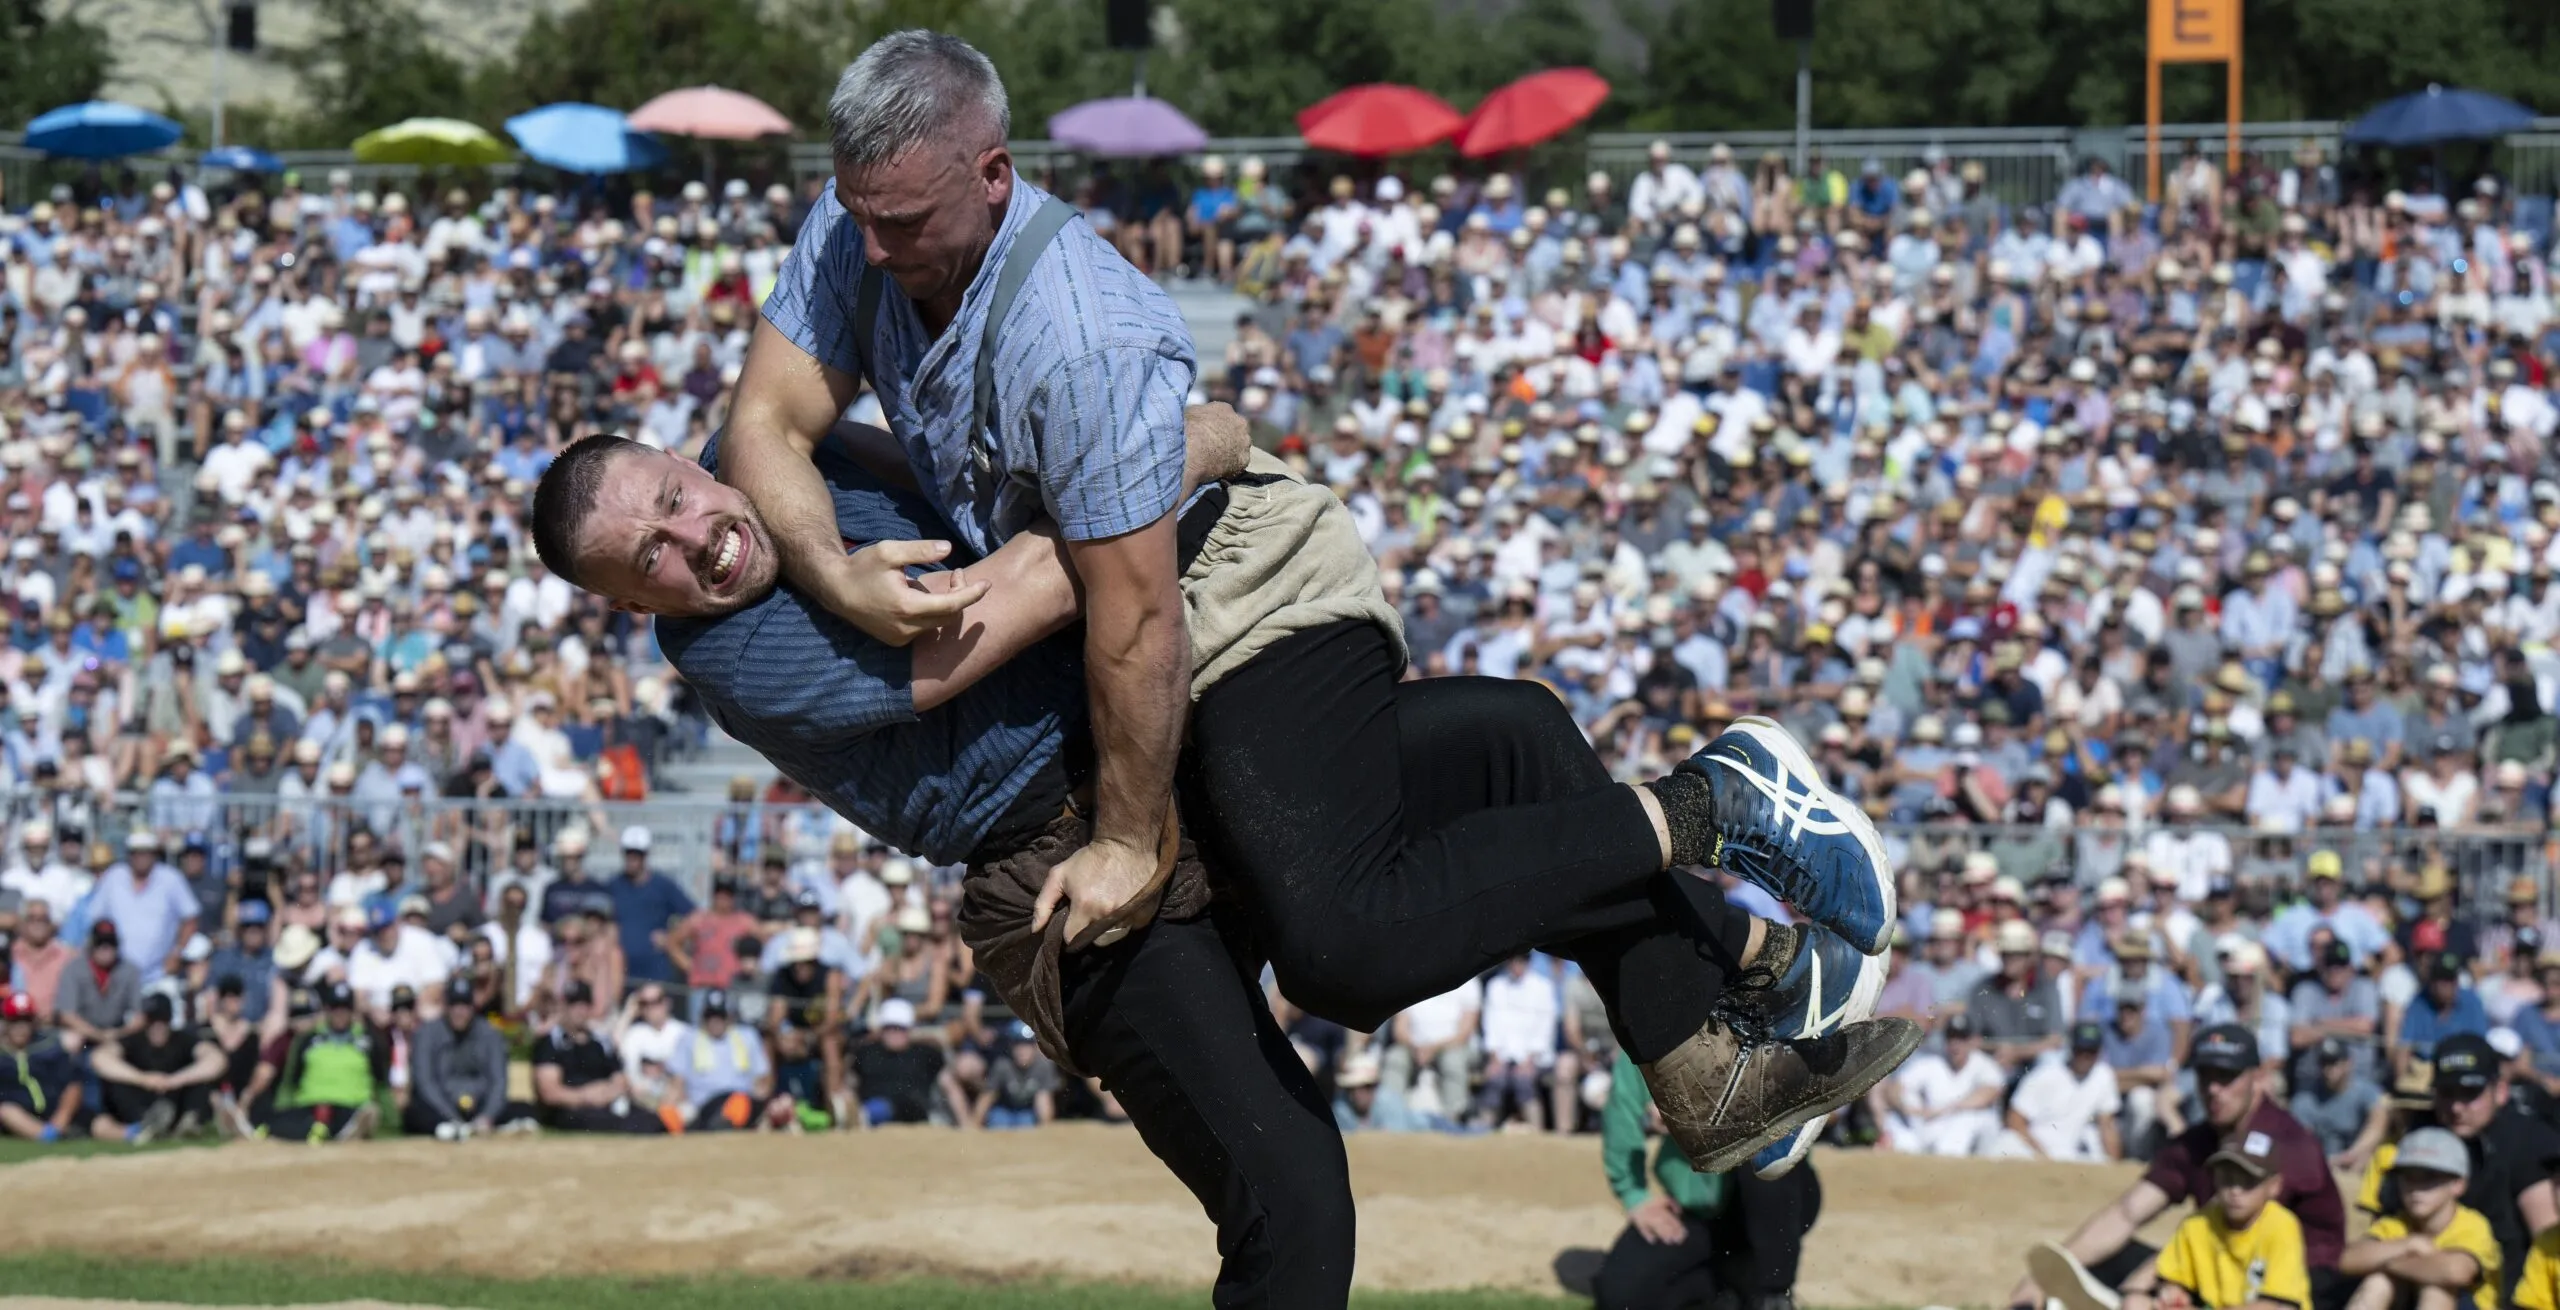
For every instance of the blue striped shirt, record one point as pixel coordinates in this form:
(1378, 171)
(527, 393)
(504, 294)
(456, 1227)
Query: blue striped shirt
(1091, 375)
(835, 710)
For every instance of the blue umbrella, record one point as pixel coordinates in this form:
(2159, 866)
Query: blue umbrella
(581, 138)
(100, 129)
(2439, 114)
(241, 159)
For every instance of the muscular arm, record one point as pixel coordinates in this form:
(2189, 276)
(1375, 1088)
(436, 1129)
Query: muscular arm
(1138, 673)
(1033, 588)
(788, 401)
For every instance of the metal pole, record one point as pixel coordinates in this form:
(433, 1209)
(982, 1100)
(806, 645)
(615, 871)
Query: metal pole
(1804, 102)
(221, 57)
(1138, 78)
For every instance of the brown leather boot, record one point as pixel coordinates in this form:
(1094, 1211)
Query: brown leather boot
(1724, 1094)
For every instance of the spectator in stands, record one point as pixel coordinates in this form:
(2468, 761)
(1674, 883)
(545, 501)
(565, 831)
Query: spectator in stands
(2243, 999)
(647, 906)
(1022, 1087)
(2231, 1085)
(40, 1091)
(155, 1078)
(1521, 1013)
(1437, 1037)
(578, 1081)
(458, 1073)
(1946, 1103)
(647, 1031)
(2142, 1052)
(2344, 1109)
(2337, 1002)
(101, 999)
(2242, 1248)
(2065, 1109)
(893, 1074)
(2513, 1155)
(38, 957)
(2445, 1008)
(727, 1078)
(151, 905)
(2016, 1011)
(1363, 1104)
(707, 943)
(2431, 1249)
(331, 1075)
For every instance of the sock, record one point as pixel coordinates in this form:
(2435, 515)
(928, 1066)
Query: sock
(1779, 947)
(1688, 805)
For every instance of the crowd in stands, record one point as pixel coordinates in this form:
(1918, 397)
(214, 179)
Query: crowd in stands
(2174, 582)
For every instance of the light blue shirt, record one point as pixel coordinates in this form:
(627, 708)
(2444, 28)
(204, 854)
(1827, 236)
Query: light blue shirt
(1091, 377)
(718, 1066)
(147, 915)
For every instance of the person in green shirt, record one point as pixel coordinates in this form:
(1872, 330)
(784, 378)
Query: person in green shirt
(332, 1075)
(1701, 1233)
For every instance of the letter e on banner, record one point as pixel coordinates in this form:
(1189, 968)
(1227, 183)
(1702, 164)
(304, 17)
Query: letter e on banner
(2195, 31)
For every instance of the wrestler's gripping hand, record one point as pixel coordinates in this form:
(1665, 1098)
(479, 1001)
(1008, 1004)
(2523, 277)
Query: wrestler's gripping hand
(871, 590)
(1108, 883)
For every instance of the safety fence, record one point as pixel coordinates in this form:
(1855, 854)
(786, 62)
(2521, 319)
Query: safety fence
(692, 838)
(2020, 164)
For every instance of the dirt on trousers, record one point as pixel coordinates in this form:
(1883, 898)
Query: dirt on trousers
(1076, 1201)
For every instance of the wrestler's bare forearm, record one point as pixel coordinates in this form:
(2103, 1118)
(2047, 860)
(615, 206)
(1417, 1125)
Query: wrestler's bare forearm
(1032, 591)
(787, 401)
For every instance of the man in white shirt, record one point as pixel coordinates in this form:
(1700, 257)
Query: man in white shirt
(398, 954)
(1946, 1104)
(2066, 1107)
(1521, 1008)
(650, 1036)
(1662, 188)
(1435, 1035)
(37, 875)
(2284, 797)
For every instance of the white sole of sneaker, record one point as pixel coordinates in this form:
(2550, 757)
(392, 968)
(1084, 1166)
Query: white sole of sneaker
(2066, 1280)
(1791, 753)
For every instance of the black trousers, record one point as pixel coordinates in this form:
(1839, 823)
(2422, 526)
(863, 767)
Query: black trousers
(600, 1119)
(1394, 839)
(127, 1103)
(1751, 1248)
(1173, 1020)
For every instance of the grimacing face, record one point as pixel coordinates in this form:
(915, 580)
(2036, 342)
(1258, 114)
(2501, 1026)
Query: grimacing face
(666, 537)
(928, 216)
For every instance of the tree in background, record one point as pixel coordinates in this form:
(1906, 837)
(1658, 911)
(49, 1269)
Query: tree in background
(370, 64)
(45, 62)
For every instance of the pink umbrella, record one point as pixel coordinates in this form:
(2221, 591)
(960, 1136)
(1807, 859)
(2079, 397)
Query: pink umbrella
(709, 111)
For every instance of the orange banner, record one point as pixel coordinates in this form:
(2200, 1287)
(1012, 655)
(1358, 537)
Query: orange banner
(2195, 31)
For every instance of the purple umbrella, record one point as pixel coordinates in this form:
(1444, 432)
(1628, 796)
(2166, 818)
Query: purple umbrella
(1126, 127)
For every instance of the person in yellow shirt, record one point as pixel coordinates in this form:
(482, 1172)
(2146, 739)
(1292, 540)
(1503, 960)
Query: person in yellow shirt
(2539, 1288)
(2434, 1252)
(2242, 1251)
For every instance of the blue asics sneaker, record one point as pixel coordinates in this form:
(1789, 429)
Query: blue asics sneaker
(1819, 983)
(1778, 827)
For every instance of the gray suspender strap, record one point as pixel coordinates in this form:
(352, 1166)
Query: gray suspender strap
(1027, 247)
(866, 319)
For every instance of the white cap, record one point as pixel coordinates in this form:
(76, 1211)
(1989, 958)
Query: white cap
(897, 1012)
(635, 838)
(436, 850)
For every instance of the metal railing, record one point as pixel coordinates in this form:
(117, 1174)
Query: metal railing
(694, 837)
(2021, 164)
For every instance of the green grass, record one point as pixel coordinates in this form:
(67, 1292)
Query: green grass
(270, 1282)
(14, 1151)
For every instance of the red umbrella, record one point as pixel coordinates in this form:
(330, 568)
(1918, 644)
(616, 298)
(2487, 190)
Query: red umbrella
(1531, 110)
(1380, 118)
